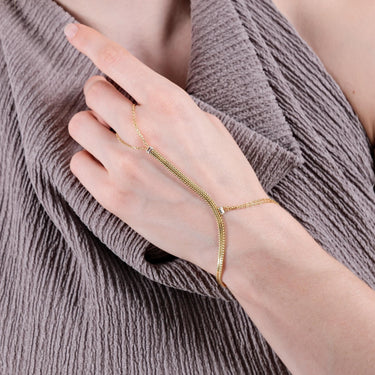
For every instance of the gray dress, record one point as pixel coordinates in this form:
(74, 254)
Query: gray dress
(80, 291)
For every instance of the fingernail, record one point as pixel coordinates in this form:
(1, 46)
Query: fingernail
(70, 30)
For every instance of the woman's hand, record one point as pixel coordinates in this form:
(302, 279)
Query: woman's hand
(135, 186)
(313, 311)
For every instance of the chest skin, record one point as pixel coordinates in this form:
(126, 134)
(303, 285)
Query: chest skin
(158, 36)
(342, 34)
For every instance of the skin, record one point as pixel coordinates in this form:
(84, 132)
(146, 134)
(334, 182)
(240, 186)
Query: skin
(332, 330)
(163, 30)
(342, 34)
(131, 182)
(163, 39)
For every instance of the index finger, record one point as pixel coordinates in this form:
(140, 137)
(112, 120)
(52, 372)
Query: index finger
(114, 60)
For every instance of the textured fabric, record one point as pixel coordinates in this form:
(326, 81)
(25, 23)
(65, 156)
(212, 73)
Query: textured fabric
(83, 293)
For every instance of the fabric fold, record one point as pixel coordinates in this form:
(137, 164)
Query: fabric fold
(81, 292)
(263, 130)
(252, 88)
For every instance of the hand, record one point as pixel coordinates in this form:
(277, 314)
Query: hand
(131, 183)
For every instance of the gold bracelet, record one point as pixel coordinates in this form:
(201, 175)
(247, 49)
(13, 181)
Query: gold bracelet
(218, 211)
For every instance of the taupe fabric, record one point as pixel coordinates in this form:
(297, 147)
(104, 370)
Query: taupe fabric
(83, 293)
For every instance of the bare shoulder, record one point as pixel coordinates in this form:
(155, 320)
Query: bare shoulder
(342, 34)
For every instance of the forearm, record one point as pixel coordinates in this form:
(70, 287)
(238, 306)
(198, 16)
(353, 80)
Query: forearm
(315, 313)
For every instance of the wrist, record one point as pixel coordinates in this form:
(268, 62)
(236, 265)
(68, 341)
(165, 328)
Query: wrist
(263, 235)
(249, 231)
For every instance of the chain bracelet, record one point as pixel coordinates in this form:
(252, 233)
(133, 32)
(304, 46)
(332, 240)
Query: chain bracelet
(218, 211)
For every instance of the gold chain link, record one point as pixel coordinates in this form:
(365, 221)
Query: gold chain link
(218, 211)
(146, 145)
(249, 204)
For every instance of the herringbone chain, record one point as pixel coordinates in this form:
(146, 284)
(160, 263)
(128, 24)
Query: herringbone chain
(218, 211)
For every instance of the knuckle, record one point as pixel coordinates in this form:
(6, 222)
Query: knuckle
(75, 161)
(92, 90)
(109, 197)
(77, 120)
(92, 81)
(171, 103)
(213, 118)
(121, 202)
(129, 165)
(122, 163)
(150, 92)
(126, 173)
(125, 196)
(122, 187)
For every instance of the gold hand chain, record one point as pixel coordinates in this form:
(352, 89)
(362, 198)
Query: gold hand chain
(218, 211)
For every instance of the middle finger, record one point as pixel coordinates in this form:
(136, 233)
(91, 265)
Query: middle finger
(113, 107)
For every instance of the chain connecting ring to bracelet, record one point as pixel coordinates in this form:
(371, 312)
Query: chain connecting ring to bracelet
(218, 211)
